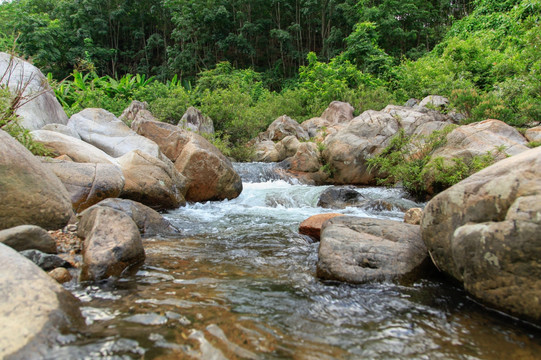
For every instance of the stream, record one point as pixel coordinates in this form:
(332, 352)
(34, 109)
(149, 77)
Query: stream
(239, 283)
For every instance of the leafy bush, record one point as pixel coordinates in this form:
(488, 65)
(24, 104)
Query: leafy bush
(407, 159)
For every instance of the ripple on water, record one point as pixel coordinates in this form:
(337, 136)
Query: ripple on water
(240, 283)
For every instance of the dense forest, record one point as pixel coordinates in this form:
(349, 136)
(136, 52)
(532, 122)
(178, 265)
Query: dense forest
(245, 62)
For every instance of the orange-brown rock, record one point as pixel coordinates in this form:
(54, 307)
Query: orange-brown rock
(210, 175)
(312, 225)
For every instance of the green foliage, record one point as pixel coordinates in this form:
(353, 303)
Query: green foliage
(534, 144)
(408, 160)
(9, 123)
(321, 83)
(489, 64)
(405, 159)
(170, 107)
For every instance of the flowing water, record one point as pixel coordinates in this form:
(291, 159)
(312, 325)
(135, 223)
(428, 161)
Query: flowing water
(239, 284)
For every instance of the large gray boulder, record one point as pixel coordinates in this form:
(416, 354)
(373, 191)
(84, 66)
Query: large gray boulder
(34, 308)
(485, 233)
(103, 130)
(31, 193)
(368, 134)
(348, 149)
(435, 101)
(148, 221)
(282, 127)
(61, 128)
(469, 141)
(26, 237)
(112, 243)
(152, 181)
(266, 151)
(306, 159)
(338, 112)
(209, 174)
(360, 250)
(87, 183)
(39, 105)
(194, 120)
(76, 149)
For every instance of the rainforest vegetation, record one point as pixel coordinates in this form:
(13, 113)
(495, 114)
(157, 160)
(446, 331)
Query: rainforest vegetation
(246, 62)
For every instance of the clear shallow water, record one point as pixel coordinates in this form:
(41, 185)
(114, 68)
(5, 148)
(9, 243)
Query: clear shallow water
(239, 284)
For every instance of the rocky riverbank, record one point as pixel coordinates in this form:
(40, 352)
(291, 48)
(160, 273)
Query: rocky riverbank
(107, 181)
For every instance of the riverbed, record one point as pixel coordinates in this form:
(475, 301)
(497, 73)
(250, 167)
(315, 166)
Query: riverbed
(239, 283)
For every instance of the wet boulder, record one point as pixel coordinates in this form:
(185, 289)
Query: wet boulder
(26, 237)
(148, 221)
(39, 105)
(31, 193)
(34, 308)
(194, 120)
(340, 197)
(152, 181)
(111, 243)
(87, 183)
(312, 226)
(209, 174)
(45, 261)
(103, 130)
(484, 232)
(77, 150)
(338, 112)
(360, 250)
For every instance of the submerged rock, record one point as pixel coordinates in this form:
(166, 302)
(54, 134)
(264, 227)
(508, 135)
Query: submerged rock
(359, 250)
(485, 233)
(34, 308)
(340, 197)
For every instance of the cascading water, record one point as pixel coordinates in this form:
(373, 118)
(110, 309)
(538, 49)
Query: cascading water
(239, 284)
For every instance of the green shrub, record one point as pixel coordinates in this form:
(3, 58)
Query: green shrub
(9, 123)
(171, 107)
